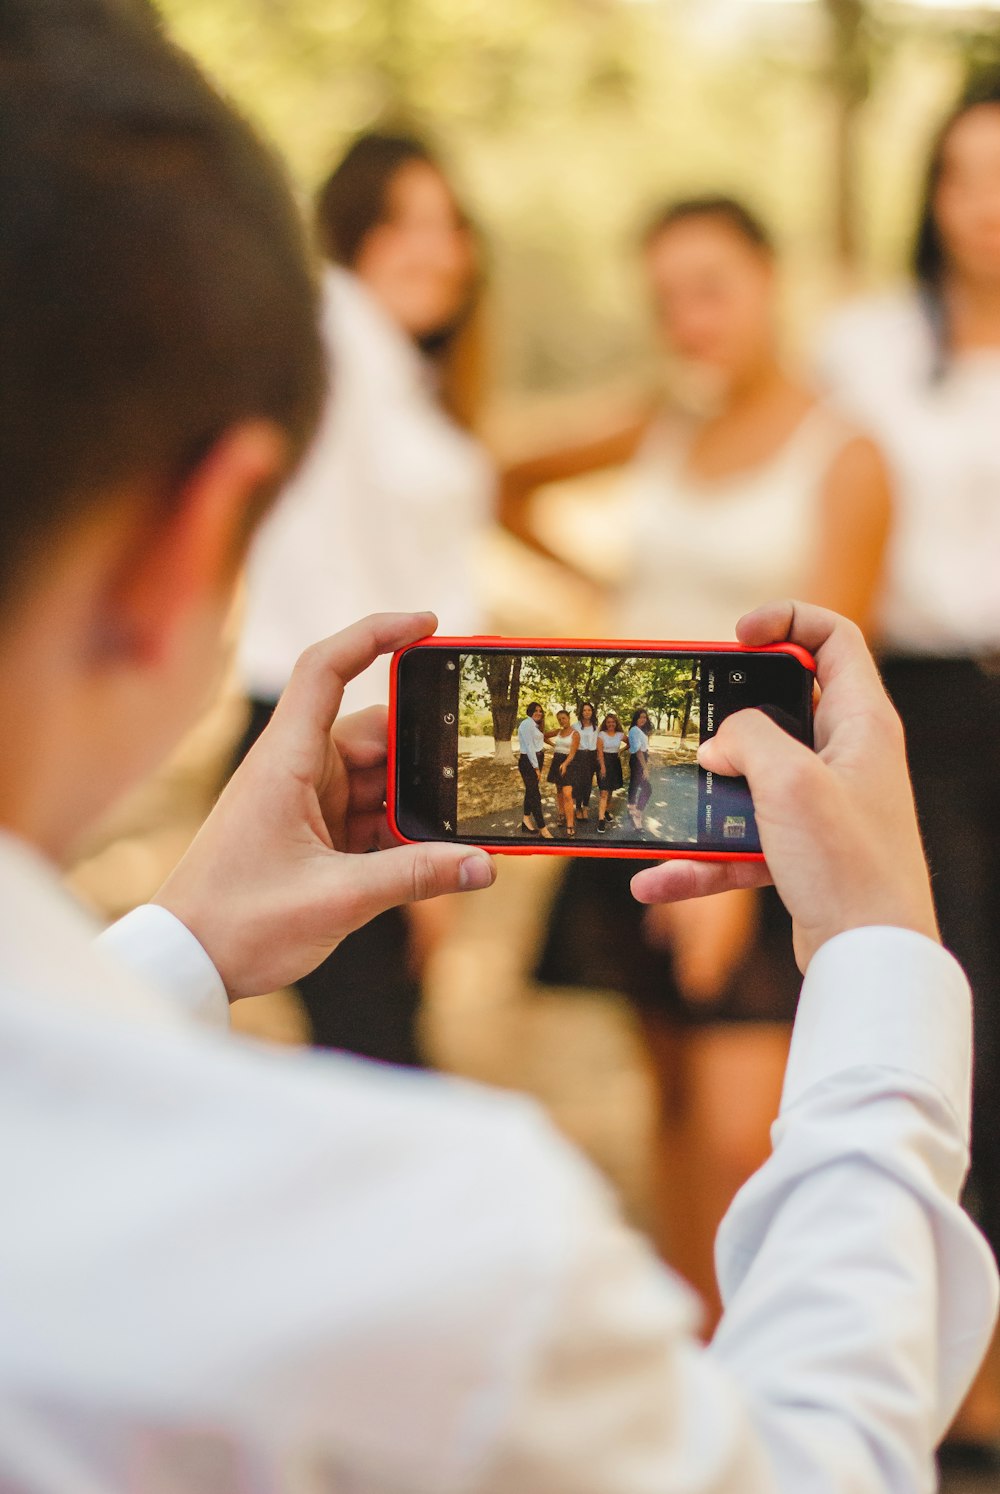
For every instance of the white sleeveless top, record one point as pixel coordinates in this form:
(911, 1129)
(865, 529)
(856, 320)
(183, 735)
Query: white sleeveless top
(611, 741)
(564, 741)
(588, 736)
(706, 550)
(940, 432)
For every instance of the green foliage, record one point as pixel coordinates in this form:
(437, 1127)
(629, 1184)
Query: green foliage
(666, 687)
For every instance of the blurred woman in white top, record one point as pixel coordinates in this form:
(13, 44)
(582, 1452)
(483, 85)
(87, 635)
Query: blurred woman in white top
(387, 508)
(748, 487)
(921, 367)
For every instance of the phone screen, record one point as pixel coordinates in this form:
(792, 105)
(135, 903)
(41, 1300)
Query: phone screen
(598, 748)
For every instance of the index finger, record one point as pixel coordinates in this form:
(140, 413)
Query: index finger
(314, 693)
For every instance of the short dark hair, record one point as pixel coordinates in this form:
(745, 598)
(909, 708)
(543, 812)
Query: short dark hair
(593, 712)
(532, 708)
(639, 711)
(155, 285)
(726, 210)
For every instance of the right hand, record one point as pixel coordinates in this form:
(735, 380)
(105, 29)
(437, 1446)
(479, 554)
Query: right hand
(837, 827)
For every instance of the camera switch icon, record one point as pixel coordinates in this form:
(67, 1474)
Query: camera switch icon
(737, 677)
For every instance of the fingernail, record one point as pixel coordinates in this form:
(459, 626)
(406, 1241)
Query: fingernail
(474, 873)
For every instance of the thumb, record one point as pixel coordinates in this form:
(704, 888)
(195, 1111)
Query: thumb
(411, 874)
(750, 745)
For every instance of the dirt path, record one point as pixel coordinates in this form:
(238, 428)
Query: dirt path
(672, 812)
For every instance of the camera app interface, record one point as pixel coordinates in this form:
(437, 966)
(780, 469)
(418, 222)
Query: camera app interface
(596, 748)
(582, 746)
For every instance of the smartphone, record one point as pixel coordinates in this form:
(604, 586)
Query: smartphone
(581, 748)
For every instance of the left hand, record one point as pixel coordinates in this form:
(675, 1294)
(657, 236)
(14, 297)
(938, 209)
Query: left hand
(278, 875)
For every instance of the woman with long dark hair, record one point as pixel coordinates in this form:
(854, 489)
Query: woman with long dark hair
(586, 758)
(390, 502)
(609, 766)
(639, 790)
(921, 367)
(531, 740)
(562, 769)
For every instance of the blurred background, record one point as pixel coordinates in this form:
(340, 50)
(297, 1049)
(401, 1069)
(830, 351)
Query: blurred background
(566, 121)
(563, 124)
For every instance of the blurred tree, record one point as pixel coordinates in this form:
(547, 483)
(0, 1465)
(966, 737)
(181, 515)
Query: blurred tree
(850, 81)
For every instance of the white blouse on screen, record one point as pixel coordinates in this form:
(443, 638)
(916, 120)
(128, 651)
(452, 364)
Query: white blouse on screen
(938, 423)
(638, 740)
(384, 515)
(588, 736)
(530, 738)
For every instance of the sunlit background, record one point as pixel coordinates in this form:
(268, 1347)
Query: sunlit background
(568, 120)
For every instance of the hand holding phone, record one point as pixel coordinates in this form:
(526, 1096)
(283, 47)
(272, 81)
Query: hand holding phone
(837, 826)
(581, 748)
(280, 872)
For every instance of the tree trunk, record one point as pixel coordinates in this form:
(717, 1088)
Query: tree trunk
(850, 77)
(686, 718)
(502, 674)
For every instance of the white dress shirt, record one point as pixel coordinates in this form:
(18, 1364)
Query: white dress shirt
(385, 514)
(530, 738)
(230, 1268)
(938, 429)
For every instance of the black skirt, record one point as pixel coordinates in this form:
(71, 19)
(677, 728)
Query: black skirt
(595, 938)
(951, 711)
(561, 780)
(613, 778)
(584, 769)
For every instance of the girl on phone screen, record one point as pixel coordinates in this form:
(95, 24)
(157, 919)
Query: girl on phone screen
(586, 758)
(639, 790)
(562, 770)
(609, 766)
(531, 740)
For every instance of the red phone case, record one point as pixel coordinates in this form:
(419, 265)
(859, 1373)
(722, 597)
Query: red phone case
(646, 852)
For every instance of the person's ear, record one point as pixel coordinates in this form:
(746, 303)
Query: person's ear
(185, 551)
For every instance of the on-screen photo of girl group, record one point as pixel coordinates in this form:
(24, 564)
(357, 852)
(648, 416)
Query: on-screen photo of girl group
(567, 746)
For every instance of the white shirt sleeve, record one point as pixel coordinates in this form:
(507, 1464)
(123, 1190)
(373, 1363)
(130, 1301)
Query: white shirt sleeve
(164, 954)
(859, 1297)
